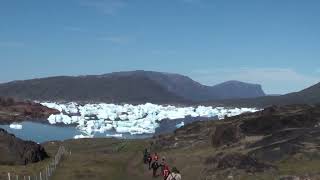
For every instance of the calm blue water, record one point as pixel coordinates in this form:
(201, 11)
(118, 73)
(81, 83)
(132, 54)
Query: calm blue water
(42, 132)
(39, 132)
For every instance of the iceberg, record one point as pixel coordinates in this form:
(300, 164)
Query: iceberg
(127, 118)
(114, 135)
(180, 125)
(15, 126)
(82, 136)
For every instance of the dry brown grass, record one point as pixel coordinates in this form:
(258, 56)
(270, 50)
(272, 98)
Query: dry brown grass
(109, 159)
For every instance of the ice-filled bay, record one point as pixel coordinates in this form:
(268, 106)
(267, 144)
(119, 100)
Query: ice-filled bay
(133, 119)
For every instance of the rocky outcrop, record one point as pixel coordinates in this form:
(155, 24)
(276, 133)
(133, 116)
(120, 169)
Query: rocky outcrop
(243, 142)
(195, 134)
(13, 111)
(274, 119)
(225, 134)
(14, 151)
(236, 160)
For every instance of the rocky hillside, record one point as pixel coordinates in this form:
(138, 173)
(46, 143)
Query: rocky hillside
(119, 89)
(127, 87)
(192, 90)
(280, 143)
(13, 111)
(14, 151)
(253, 143)
(237, 89)
(310, 95)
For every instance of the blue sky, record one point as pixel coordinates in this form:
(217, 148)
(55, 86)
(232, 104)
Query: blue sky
(275, 43)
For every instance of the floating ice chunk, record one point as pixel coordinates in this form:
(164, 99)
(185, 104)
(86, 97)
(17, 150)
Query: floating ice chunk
(75, 119)
(15, 126)
(59, 118)
(104, 128)
(133, 119)
(180, 125)
(114, 135)
(82, 136)
(52, 119)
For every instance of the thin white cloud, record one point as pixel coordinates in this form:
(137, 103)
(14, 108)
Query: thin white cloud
(190, 1)
(109, 7)
(118, 39)
(11, 44)
(74, 29)
(273, 80)
(164, 52)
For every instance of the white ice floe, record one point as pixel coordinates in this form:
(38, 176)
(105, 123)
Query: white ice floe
(180, 125)
(133, 119)
(15, 126)
(114, 135)
(82, 136)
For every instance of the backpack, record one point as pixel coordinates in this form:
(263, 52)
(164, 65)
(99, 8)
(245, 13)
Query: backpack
(155, 165)
(173, 177)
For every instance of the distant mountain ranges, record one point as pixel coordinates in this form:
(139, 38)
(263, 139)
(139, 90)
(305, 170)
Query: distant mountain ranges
(149, 86)
(127, 87)
(309, 95)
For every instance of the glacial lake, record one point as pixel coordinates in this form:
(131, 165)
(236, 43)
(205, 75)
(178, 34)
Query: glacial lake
(41, 132)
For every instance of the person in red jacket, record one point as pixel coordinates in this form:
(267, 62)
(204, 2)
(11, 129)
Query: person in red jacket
(165, 172)
(155, 157)
(164, 168)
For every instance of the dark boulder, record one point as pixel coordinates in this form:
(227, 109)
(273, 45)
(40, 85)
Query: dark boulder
(14, 151)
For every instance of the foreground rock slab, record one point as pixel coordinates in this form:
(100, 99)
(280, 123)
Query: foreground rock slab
(15, 151)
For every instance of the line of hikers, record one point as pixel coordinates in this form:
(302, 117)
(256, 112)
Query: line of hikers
(154, 165)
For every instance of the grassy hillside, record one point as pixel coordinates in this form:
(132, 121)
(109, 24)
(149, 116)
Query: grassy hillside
(270, 144)
(102, 159)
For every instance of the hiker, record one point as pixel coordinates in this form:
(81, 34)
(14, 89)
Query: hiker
(165, 171)
(149, 159)
(163, 165)
(145, 156)
(174, 175)
(155, 157)
(155, 165)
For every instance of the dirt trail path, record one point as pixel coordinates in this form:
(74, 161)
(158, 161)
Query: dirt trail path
(136, 168)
